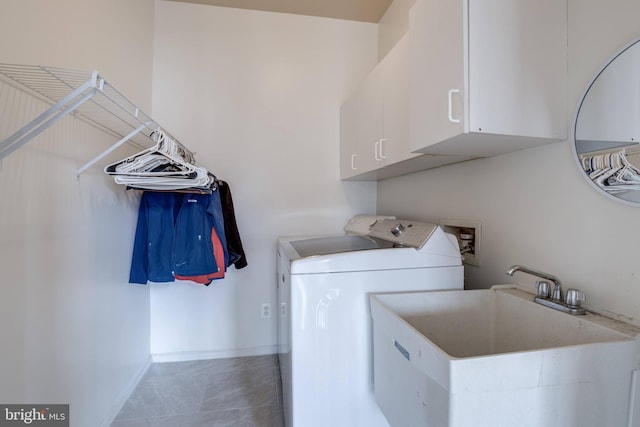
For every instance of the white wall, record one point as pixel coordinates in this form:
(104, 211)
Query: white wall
(535, 207)
(113, 36)
(257, 95)
(393, 25)
(72, 329)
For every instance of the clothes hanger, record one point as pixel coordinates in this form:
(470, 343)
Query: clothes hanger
(164, 183)
(627, 178)
(161, 167)
(613, 172)
(166, 152)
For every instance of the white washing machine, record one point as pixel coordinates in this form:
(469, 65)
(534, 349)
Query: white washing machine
(325, 326)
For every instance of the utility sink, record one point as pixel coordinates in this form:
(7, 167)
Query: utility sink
(495, 358)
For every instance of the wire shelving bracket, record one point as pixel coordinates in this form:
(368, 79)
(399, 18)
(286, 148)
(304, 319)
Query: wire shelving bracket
(85, 94)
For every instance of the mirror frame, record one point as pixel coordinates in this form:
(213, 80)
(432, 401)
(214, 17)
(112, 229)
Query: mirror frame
(574, 149)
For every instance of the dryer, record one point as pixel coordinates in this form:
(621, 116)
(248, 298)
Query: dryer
(325, 327)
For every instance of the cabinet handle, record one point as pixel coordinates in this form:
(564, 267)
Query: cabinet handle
(375, 151)
(380, 144)
(353, 162)
(451, 92)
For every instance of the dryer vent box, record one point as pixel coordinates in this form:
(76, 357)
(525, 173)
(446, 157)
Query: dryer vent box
(468, 234)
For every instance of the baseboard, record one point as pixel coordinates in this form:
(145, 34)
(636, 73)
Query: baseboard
(184, 356)
(126, 393)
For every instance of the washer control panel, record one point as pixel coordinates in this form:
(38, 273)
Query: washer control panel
(404, 233)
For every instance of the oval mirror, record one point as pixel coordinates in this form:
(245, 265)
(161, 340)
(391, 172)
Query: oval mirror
(607, 128)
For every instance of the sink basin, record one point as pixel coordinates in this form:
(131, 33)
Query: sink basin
(495, 358)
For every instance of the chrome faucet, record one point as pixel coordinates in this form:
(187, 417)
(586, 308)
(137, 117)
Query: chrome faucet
(557, 288)
(556, 301)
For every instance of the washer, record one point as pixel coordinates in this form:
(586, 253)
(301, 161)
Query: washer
(325, 327)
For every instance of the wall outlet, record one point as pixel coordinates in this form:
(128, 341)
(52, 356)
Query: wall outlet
(468, 234)
(265, 311)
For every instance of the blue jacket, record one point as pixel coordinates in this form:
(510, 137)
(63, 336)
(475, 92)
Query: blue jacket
(173, 236)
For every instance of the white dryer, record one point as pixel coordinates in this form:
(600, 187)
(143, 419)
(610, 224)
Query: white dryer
(325, 326)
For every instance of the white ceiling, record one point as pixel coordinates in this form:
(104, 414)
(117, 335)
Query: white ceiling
(356, 10)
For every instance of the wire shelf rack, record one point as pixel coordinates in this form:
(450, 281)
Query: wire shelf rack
(87, 95)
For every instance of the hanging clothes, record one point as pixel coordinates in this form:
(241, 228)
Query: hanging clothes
(218, 241)
(173, 236)
(218, 254)
(152, 257)
(237, 256)
(192, 247)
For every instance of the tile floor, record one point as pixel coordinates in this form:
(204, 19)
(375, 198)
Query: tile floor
(238, 392)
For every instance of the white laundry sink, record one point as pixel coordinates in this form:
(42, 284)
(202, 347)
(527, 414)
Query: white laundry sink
(495, 358)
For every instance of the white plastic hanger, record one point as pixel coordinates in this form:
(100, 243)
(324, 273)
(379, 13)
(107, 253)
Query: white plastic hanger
(139, 170)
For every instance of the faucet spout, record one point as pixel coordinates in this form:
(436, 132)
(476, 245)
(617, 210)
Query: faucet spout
(557, 291)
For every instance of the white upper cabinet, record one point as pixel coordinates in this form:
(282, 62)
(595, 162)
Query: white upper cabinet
(349, 161)
(361, 127)
(394, 145)
(370, 120)
(375, 124)
(487, 77)
(375, 120)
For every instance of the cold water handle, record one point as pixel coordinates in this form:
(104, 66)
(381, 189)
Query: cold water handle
(575, 298)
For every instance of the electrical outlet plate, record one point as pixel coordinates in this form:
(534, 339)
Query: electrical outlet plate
(265, 311)
(471, 255)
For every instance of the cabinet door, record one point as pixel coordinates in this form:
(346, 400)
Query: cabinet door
(361, 128)
(437, 72)
(349, 156)
(517, 67)
(370, 121)
(394, 146)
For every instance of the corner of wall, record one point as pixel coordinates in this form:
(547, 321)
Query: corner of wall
(393, 25)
